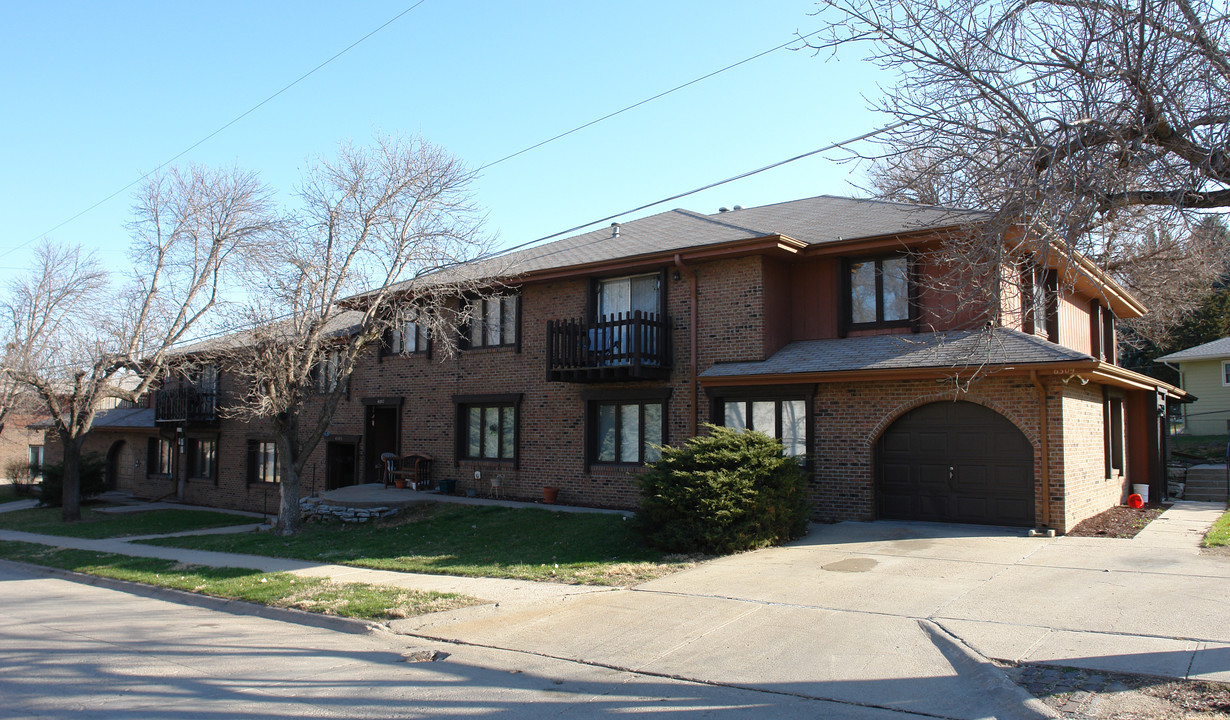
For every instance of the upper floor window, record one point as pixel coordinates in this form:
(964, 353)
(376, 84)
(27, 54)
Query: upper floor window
(1225, 373)
(493, 321)
(1040, 302)
(206, 379)
(409, 335)
(328, 371)
(621, 297)
(879, 290)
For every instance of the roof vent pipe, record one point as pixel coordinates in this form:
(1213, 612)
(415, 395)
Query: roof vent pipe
(614, 230)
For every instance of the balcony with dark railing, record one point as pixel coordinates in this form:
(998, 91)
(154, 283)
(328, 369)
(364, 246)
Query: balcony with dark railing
(624, 346)
(187, 405)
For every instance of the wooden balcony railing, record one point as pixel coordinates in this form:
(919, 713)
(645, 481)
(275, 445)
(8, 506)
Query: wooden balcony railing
(186, 405)
(626, 346)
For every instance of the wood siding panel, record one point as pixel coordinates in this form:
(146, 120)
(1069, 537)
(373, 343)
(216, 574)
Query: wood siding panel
(815, 299)
(1074, 322)
(777, 305)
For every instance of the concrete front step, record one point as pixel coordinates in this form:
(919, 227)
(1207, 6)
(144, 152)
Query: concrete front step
(1206, 483)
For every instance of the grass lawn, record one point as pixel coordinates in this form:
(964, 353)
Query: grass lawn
(356, 600)
(1219, 534)
(7, 494)
(447, 539)
(94, 524)
(1209, 447)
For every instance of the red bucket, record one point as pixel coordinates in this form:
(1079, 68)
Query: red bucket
(1135, 502)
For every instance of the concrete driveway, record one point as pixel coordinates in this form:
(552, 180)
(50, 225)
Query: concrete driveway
(900, 616)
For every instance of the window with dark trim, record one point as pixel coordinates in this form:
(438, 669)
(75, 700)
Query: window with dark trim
(488, 427)
(159, 457)
(1112, 404)
(202, 458)
(1040, 302)
(493, 321)
(782, 412)
(409, 336)
(785, 420)
(328, 371)
(36, 462)
(625, 427)
(263, 462)
(880, 291)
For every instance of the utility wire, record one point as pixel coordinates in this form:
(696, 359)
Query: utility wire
(210, 136)
(651, 99)
(493, 163)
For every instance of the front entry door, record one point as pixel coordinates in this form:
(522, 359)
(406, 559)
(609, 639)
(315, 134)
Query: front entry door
(381, 432)
(340, 461)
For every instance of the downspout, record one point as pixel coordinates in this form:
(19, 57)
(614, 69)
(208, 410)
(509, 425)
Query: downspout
(1043, 448)
(692, 335)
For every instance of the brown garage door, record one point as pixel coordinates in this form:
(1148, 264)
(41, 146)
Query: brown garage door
(955, 462)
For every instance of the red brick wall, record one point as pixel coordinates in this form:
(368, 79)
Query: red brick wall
(851, 417)
(1086, 490)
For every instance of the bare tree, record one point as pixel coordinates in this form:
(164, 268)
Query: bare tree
(76, 339)
(378, 229)
(1076, 124)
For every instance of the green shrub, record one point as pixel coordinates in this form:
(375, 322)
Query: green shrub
(93, 480)
(721, 493)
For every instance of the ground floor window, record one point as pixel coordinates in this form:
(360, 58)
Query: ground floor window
(160, 461)
(202, 458)
(785, 420)
(487, 427)
(263, 462)
(626, 429)
(777, 411)
(1114, 427)
(36, 462)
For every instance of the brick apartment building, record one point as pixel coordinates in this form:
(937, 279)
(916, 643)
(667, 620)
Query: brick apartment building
(810, 320)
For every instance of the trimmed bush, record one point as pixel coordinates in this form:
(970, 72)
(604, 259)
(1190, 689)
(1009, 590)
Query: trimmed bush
(93, 480)
(721, 493)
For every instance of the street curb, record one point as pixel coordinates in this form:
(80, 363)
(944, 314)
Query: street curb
(352, 626)
(994, 683)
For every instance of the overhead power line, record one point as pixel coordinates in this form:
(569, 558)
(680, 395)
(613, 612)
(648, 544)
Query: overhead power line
(493, 163)
(210, 136)
(662, 94)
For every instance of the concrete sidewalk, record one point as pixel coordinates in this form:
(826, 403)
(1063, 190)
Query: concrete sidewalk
(890, 615)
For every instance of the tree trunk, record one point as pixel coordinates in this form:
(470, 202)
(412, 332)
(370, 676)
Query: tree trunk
(286, 434)
(70, 497)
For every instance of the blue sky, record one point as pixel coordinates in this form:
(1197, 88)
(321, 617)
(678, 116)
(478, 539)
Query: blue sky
(97, 94)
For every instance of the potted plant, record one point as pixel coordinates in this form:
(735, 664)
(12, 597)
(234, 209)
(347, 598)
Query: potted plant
(550, 495)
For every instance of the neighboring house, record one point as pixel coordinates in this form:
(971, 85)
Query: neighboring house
(810, 320)
(1204, 371)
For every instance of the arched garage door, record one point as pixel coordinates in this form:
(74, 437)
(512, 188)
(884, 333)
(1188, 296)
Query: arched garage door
(955, 462)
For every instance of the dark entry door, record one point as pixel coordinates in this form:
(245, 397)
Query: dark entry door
(113, 465)
(955, 462)
(341, 459)
(381, 434)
